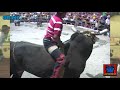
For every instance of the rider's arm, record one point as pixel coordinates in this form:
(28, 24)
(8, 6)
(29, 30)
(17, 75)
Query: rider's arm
(57, 39)
(57, 31)
(57, 34)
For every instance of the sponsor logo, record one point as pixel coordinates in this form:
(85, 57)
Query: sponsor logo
(7, 17)
(110, 69)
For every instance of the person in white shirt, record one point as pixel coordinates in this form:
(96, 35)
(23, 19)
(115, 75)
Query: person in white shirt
(96, 25)
(107, 21)
(118, 68)
(3, 34)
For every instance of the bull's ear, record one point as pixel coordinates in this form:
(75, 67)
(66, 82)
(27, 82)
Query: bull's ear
(74, 36)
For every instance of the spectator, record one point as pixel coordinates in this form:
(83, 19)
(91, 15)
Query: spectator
(96, 25)
(107, 21)
(85, 19)
(3, 34)
(108, 24)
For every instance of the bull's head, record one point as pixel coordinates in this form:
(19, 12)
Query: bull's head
(87, 34)
(79, 49)
(91, 33)
(80, 36)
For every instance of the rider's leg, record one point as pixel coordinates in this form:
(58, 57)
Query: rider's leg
(59, 63)
(58, 56)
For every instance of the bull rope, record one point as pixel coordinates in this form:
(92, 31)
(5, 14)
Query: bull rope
(14, 52)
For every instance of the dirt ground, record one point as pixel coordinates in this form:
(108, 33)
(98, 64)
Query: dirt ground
(5, 68)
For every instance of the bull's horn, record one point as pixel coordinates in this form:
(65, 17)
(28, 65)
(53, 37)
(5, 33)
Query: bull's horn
(103, 31)
(11, 76)
(100, 32)
(74, 29)
(81, 31)
(88, 29)
(92, 31)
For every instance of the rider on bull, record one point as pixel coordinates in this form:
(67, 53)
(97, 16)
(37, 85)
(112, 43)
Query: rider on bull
(52, 42)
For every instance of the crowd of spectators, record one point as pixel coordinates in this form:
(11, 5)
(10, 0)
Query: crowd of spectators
(93, 20)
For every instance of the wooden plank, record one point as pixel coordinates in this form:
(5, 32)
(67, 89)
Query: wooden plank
(5, 68)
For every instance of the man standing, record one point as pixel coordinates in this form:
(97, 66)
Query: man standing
(3, 35)
(107, 21)
(52, 42)
(39, 19)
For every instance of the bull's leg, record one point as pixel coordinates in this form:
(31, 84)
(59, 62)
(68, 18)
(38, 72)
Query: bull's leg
(14, 70)
(69, 73)
(73, 71)
(20, 73)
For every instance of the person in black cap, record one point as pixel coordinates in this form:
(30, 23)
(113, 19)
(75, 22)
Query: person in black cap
(3, 34)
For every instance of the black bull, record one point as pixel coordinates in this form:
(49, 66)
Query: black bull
(34, 59)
